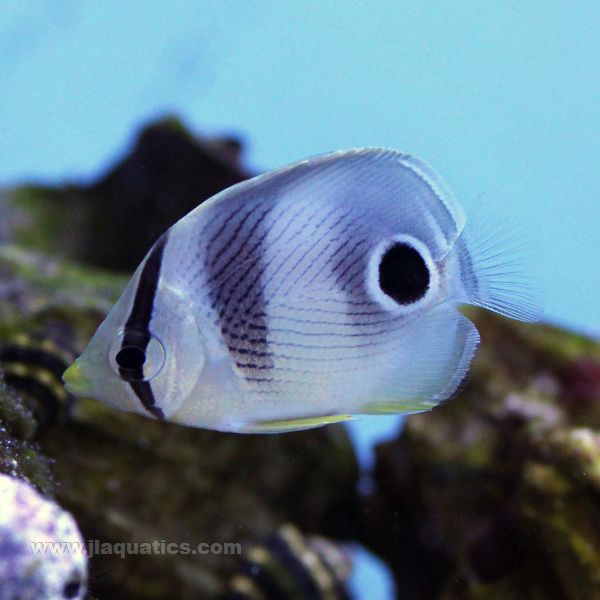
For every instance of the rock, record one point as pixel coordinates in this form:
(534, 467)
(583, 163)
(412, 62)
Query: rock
(494, 495)
(19, 456)
(290, 565)
(168, 173)
(131, 479)
(42, 553)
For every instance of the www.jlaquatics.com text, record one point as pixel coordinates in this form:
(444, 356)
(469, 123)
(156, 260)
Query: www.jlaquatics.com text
(123, 549)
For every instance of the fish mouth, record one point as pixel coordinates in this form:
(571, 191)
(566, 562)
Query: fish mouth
(75, 380)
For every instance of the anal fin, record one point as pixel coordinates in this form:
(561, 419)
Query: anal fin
(396, 408)
(286, 425)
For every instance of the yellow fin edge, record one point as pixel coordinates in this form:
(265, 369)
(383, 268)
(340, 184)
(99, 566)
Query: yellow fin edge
(396, 408)
(294, 424)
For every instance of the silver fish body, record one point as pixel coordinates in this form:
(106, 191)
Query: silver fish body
(321, 290)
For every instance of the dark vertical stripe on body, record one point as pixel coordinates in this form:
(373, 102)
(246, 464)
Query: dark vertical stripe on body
(141, 312)
(235, 292)
(137, 332)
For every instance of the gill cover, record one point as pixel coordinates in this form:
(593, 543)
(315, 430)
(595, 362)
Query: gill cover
(147, 354)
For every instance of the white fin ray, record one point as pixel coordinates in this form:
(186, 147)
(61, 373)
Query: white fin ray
(499, 273)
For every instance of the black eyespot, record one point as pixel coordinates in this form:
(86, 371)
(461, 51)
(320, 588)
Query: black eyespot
(403, 274)
(130, 358)
(71, 588)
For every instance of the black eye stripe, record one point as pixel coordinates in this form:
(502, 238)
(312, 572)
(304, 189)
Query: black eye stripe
(130, 358)
(137, 328)
(141, 311)
(144, 392)
(132, 355)
(403, 274)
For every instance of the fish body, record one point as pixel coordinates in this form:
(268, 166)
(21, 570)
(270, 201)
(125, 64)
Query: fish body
(321, 290)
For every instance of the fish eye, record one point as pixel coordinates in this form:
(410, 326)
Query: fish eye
(403, 273)
(131, 358)
(136, 356)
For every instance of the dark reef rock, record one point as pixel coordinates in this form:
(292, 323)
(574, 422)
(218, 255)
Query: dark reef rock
(497, 494)
(112, 222)
(19, 455)
(290, 565)
(127, 478)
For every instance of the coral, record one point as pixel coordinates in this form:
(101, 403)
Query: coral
(42, 554)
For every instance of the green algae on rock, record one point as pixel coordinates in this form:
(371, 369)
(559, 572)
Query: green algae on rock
(41, 298)
(19, 453)
(36, 289)
(128, 478)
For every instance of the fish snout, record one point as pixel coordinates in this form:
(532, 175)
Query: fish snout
(75, 380)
